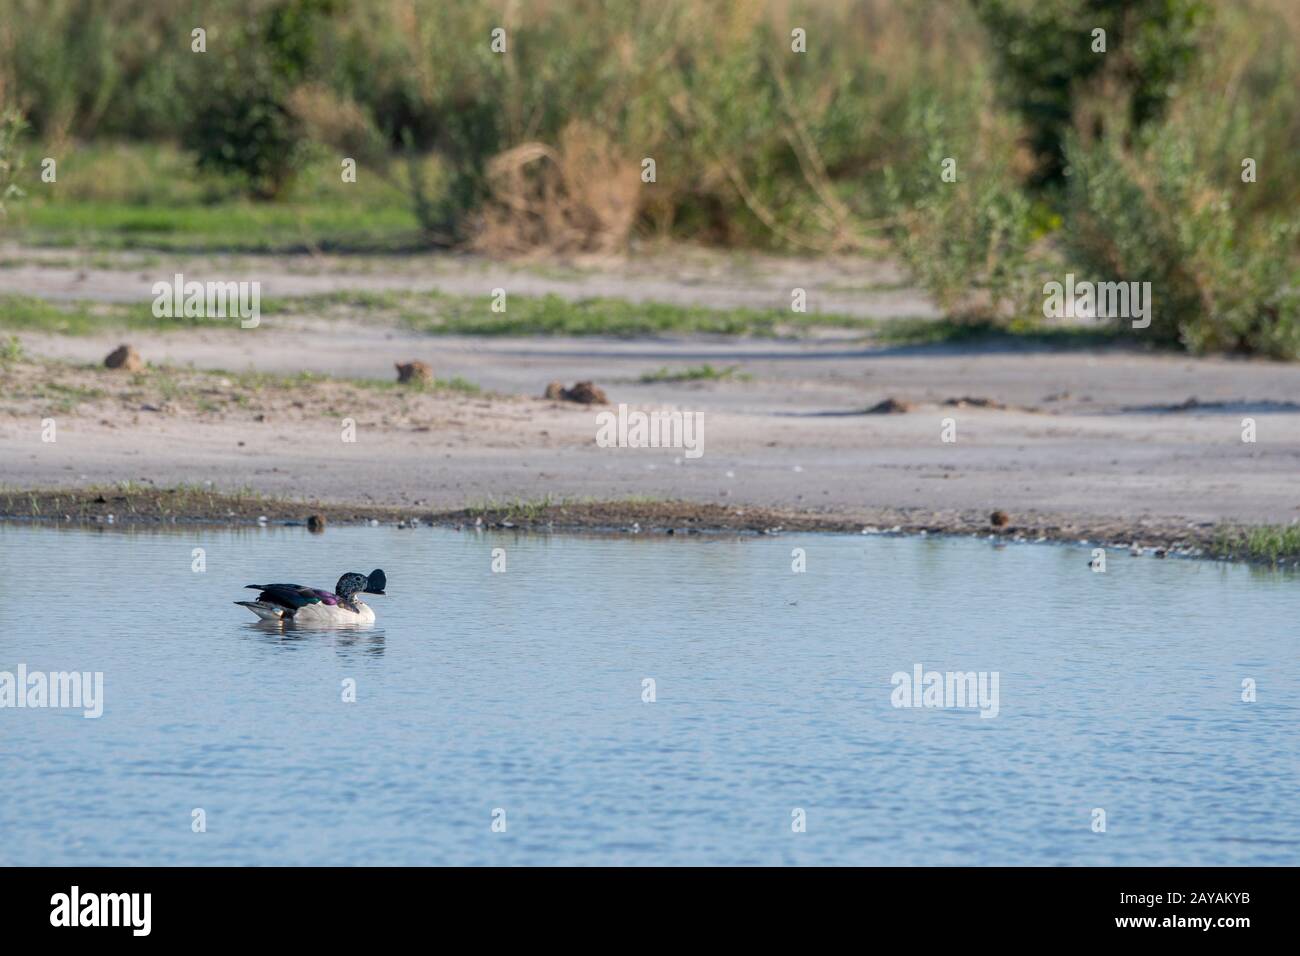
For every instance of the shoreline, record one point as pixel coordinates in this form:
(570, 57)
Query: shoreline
(180, 507)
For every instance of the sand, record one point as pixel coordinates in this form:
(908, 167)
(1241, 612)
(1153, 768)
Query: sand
(1105, 441)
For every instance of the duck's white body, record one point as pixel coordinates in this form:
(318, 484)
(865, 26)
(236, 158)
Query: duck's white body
(335, 614)
(315, 613)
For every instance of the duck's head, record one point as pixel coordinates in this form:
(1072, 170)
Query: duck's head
(352, 583)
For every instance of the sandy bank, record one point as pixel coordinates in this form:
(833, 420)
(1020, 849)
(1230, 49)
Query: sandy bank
(1116, 444)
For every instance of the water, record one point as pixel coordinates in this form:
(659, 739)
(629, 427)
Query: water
(523, 692)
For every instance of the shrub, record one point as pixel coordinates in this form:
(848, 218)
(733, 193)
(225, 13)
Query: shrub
(1244, 101)
(11, 351)
(425, 88)
(1045, 50)
(80, 68)
(967, 242)
(240, 126)
(240, 121)
(1219, 281)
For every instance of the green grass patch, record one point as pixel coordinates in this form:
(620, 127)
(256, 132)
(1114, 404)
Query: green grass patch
(1265, 544)
(236, 226)
(253, 381)
(63, 398)
(695, 373)
(517, 509)
(435, 313)
(11, 351)
(128, 500)
(207, 390)
(27, 313)
(454, 384)
(553, 315)
(338, 299)
(152, 196)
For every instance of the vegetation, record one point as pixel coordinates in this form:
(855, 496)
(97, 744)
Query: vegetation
(1054, 54)
(1204, 203)
(1266, 544)
(1219, 283)
(695, 373)
(129, 501)
(552, 315)
(11, 125)
(988, 143)
(513, 510)
(438, 314)
(151, 196)
(11, 350)
(51, 386)
(240, 121)
(21, 312)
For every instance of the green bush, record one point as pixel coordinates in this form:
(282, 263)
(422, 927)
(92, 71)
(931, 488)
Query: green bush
(240, 126)
(1045, 49)
(240, 121)
(1244, 101)
(1219, 281)
(967, 242)
(80, 68)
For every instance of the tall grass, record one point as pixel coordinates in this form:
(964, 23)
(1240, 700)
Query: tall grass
(1267, 544)
(1172, 203)
(11, 126)
(547, 146)
(753, 143)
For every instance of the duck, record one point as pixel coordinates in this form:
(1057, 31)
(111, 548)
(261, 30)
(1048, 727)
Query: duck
(304, 605)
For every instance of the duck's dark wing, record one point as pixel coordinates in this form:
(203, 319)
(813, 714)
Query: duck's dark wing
(290, 596)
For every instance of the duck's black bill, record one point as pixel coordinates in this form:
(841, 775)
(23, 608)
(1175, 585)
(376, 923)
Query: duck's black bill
(376, 583)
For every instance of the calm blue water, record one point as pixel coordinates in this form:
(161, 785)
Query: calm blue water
(522, 692)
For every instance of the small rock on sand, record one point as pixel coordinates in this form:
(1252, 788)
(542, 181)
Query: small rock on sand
(316, 524)
(890, 406)
(414, 371)
(999, 519)
(968, 401)
(124, 357)
(585, 393)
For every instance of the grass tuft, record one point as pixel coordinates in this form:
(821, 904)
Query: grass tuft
(696, 373)
(11, 351)
(1264, 544)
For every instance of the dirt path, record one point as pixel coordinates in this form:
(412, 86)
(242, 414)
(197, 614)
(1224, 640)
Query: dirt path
(1083, 438)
